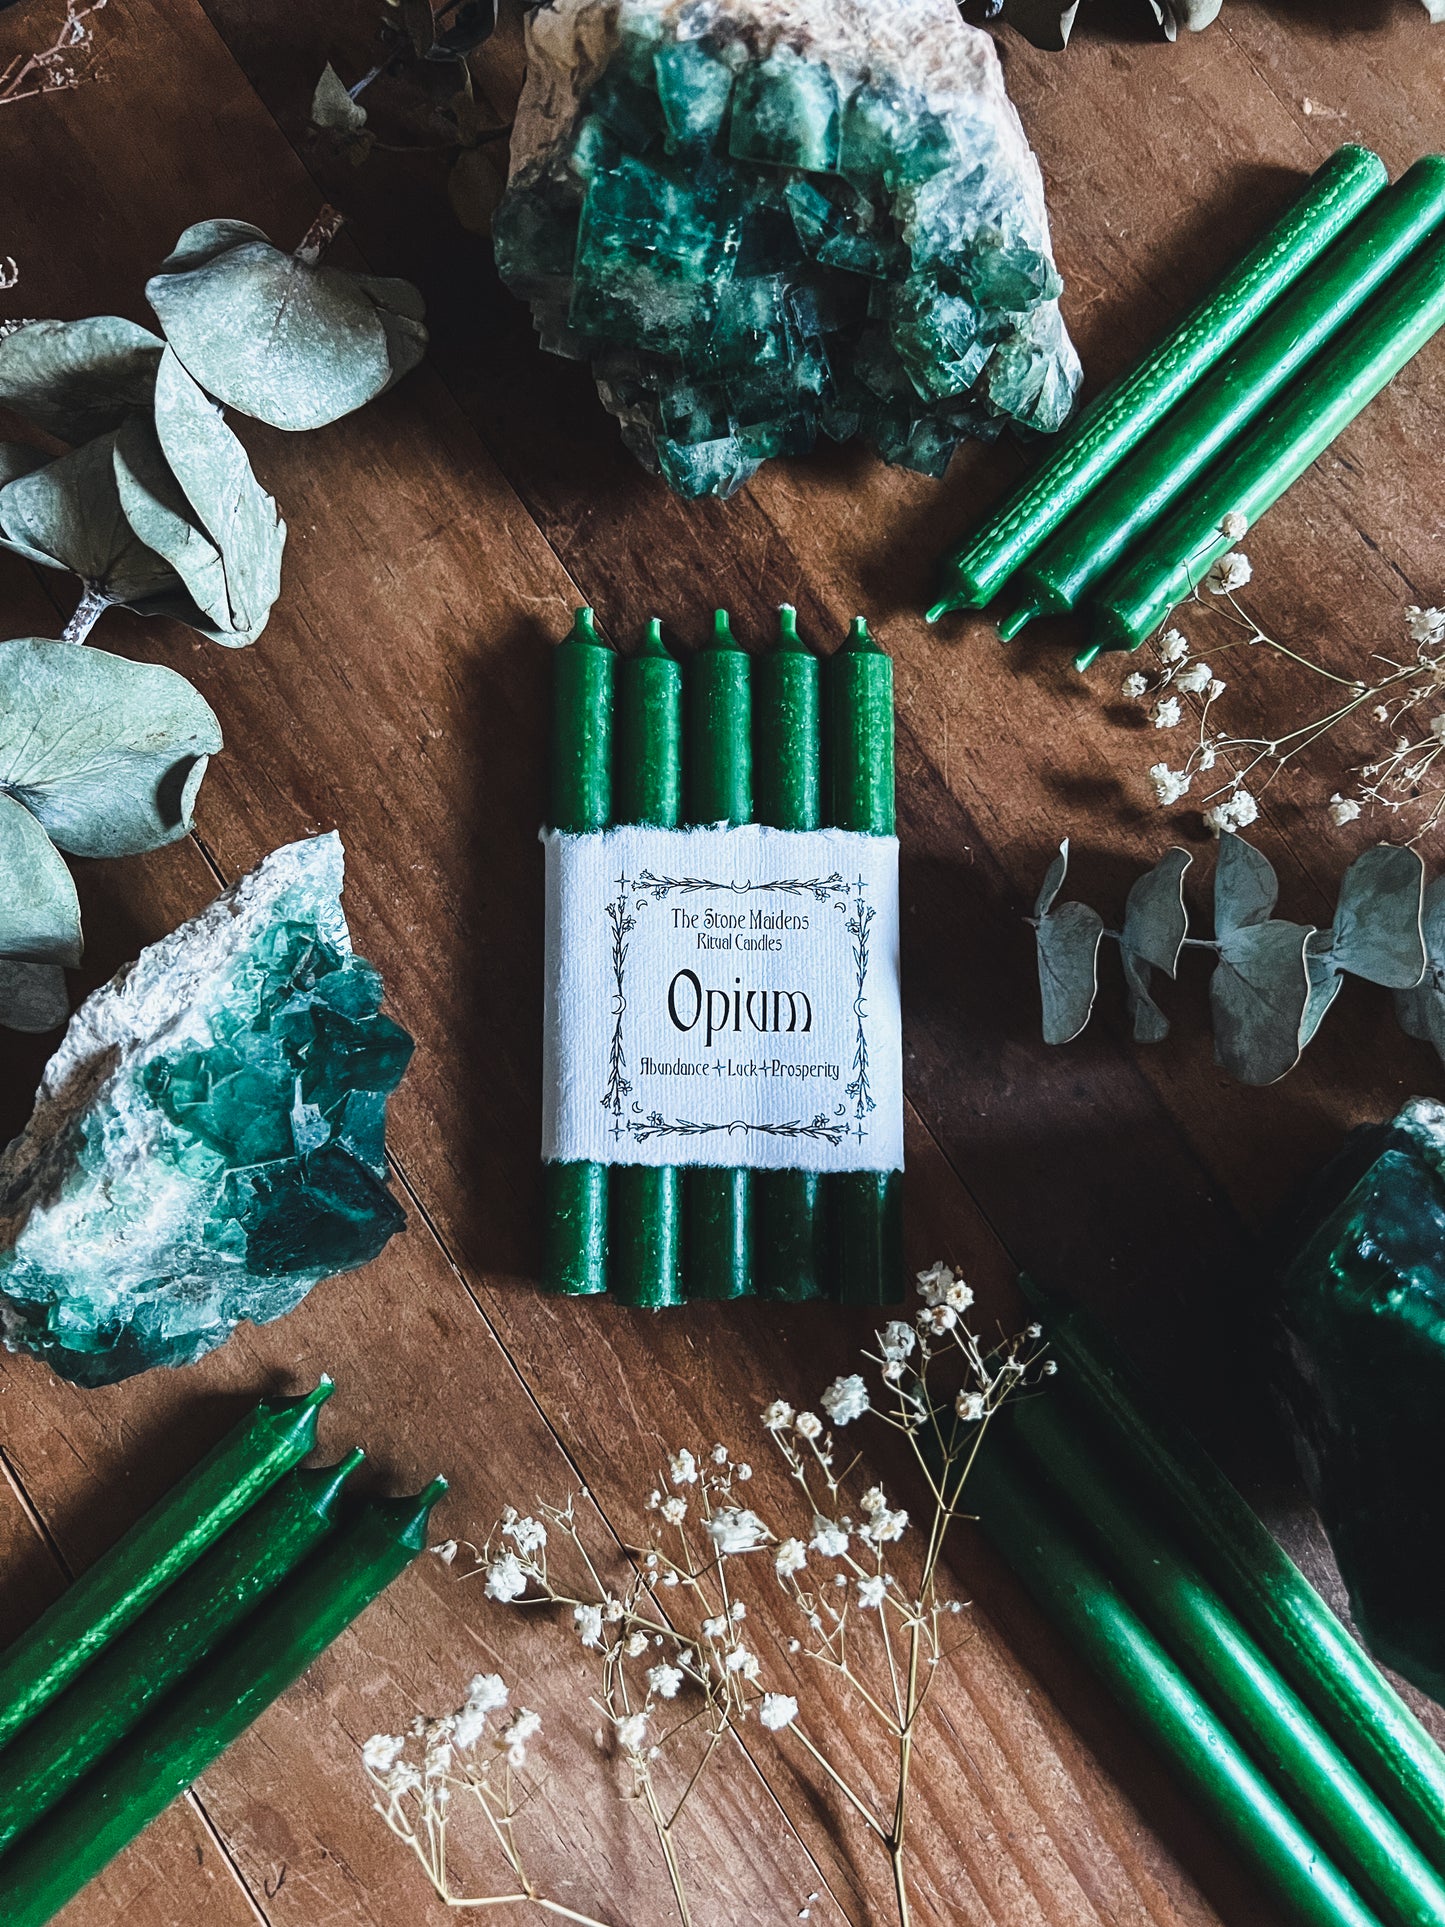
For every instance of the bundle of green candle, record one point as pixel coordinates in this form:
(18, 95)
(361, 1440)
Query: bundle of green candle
(172, 1643)
(795, 744)
(1161, 476)
(1147, 1559)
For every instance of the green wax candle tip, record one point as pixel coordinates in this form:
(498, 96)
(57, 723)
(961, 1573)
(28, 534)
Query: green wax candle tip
(722, 632)
(652, 642)
(584, 629)
(1087, 655)
(1018, 619)
(947, 604)
(788, 637)
(859, 638)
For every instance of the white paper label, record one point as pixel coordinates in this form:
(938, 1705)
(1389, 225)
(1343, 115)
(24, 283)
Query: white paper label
(723, 996)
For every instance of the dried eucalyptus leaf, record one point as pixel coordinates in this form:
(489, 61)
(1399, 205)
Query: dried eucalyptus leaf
(1053, 881)
(1151, 1026)
(332, 106)
(1421, 1010)
(1377, 933)
(67, 515)
(292, 342)
(234, 510)
(32, 996)
(403, 313)
(1258, 995)
(39, 910)
(1068, 945)
(155, 505)
(1155, 920)
(1245, 886)
(105, 755)
(77, 379)
(1044, 23)
(206, 240)
(1325, 981)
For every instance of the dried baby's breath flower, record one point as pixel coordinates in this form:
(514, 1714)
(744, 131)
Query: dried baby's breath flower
(677, 1679)
(1166, 713)
(1229, 574)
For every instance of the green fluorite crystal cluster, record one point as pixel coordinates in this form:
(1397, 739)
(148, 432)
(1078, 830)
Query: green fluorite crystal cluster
(1362, 1310)
(209, 1140)
(762, 224)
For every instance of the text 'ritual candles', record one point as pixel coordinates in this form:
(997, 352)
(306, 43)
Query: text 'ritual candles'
(722, 1019)
(113, 1593)
(1106, 431)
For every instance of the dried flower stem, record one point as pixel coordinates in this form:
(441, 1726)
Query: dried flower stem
(91, 607)
(674, 1628)
(67, 62)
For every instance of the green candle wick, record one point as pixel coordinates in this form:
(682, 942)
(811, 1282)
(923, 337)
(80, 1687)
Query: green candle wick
(860, 642)
(584, 629)
(1009, 625)
(788, 637)
(722, 632)
(308, 1401)
(947, 605)
(652, 642)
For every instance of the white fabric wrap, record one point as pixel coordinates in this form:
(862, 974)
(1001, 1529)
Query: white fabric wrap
(723, 996)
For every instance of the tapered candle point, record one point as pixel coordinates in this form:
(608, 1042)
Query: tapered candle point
(415, 1513)
(945, 606)
(317, 1397)
(859, 641)
(1086, 656)
(788, 637)
(1009, 625)
(722, 632)
(652, 642)
(584, 629)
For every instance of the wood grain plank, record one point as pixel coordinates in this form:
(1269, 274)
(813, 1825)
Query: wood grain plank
(400, 693)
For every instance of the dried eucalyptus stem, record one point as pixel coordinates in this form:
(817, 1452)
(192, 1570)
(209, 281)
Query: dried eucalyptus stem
(678, 1675)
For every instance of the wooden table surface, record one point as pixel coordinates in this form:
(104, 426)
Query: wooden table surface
(439, 541)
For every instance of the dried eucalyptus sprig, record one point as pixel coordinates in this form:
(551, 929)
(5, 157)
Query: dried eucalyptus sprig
(1273, 981)
(429, 52)
(99, 757)
(155, 507)
(679, 1673)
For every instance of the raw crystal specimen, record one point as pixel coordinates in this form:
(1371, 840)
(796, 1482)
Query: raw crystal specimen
(1362, 1307)
(763, 222)
(209, 1140)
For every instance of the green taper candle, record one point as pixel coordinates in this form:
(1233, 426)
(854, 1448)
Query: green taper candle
(720, 790)
(644, 1235)
(1215, 1652)
(1121, 417)
(865, 1208)
(1177, 555)
(574, 1250)
(113, 1592)
(1072, 1590)
(175, 1634)
(788, 795)
(1328, 1668)
(195, 1724)
(1292, 333)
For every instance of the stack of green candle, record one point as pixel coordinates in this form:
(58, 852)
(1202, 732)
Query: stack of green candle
(169, 1646)
(726, 740)
(1151, 1563)
(1227, 413)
